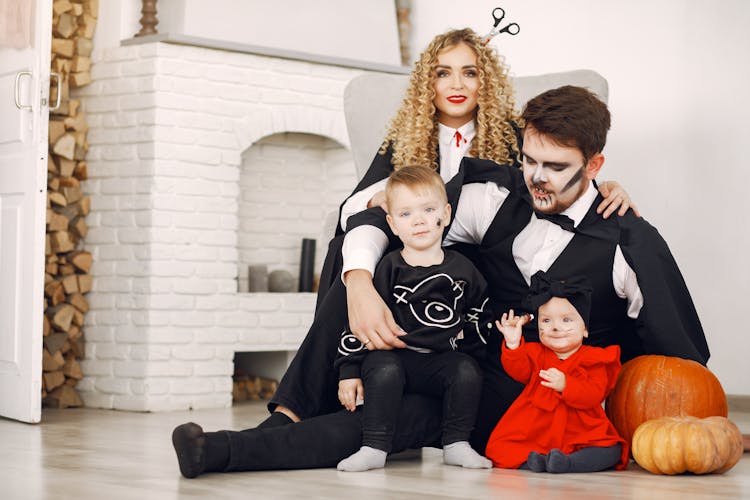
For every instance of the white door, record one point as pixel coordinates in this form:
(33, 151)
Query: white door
(24, 88)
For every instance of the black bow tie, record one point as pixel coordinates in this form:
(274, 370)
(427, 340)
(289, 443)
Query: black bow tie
(563, 221)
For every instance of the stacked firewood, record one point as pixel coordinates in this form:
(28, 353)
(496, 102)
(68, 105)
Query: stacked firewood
(252, 387)
(68, 266)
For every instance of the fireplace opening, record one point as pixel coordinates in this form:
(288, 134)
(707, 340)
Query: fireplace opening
(257, 374)
(291, 186)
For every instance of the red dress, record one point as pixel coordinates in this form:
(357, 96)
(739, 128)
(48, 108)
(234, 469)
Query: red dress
(542, 418)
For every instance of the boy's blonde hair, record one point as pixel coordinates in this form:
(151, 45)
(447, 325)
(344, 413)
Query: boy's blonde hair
(414, 178)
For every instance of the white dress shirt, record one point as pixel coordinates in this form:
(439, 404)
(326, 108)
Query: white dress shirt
(535, 248)
(450, 159)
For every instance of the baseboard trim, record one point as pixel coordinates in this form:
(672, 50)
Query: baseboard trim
(737, 402)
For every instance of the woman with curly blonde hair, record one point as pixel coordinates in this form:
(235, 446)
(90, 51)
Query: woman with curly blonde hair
(413, 133)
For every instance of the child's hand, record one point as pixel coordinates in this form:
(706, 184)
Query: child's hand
(511, 326)
(553, 378)
(351, 390)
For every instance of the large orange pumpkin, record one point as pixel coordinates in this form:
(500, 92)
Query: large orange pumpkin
(673, 445)
(653, 386)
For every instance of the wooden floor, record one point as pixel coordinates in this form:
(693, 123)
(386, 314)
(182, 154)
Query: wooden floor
(99, 454)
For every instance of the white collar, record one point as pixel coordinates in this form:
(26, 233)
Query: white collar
(578, 210)
(446, 134)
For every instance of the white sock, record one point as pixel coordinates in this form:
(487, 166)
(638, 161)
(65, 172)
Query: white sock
(461, 453)
(365, 459)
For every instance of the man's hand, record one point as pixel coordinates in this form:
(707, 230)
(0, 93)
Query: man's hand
(370, 320)
(553, 378)
(511, 326)
(351, 390)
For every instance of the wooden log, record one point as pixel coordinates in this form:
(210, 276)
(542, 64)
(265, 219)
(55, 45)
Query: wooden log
(80, 153)
(51, 166)
(50, 267)
(56, 130)
(66, 269)
(67, 24)
(47, 245)
(77, 122)
(53, 183)
(80, 79)
(55, 341)
(78, 301)
(56, 198)
(64, 396)
(71, 192)
(56, 222)
(78, 318)
(80, 139)
(67, 48)
(72, 368)
(80, 63)
(81, 171)
(74, 334)
(84, 205)
(78, 348)
(85, 282)
(87, 26)
(82, 260)
(53, 379)
(79, 227)
(83, 47)
(61, 242)
(67, 167)
(70, 284)
(91, 7)
(55, 292)
(52, 362)
(65, 146)
(61, 316)
(46, 327)
(61, 6)
(77, 9)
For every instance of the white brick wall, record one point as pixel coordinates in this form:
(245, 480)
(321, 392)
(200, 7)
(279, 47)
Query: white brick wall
(201, 162)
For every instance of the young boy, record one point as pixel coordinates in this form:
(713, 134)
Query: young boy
(439, 299)
(557, 424)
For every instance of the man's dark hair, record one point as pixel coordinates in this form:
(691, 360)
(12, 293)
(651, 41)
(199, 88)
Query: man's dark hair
(571, 116)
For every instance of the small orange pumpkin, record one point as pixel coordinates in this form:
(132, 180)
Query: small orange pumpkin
(673, 445)
(654, 386)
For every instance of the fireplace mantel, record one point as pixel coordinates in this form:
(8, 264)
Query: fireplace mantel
(179, 39)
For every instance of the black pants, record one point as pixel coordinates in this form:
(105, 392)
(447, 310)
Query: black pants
(309, 388)
(326, 440)
(452, 376)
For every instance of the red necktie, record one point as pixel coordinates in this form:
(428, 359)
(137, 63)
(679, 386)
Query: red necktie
(458, 138)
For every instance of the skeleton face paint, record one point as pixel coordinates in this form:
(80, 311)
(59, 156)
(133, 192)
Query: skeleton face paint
(555, 175)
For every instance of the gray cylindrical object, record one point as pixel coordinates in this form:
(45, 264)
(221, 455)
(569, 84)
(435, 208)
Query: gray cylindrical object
(257, 278)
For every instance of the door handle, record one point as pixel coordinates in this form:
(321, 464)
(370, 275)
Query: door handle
(58, 77)
(17, 90)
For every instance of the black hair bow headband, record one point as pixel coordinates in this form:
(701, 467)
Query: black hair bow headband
(576, 289)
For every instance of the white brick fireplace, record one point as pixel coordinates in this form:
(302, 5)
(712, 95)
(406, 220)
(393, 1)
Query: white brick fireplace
(201, 162)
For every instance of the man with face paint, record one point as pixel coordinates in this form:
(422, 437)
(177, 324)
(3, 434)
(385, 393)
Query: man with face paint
(544, 219)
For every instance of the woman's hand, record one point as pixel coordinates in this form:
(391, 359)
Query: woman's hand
(615, 197)
(370, 320)
(511, 326)
(378, 200)
(351, 390)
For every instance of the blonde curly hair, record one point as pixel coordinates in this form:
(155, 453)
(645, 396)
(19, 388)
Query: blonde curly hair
(413, 132)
